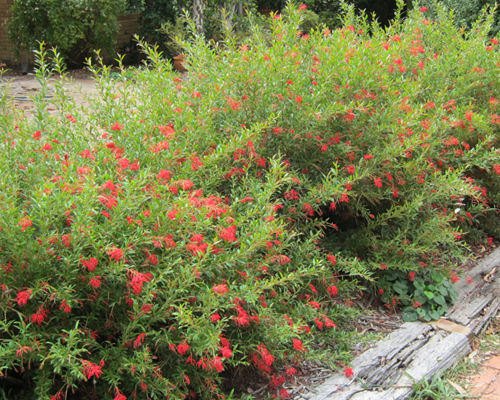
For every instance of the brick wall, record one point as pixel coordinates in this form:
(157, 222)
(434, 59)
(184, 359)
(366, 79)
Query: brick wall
(129, 25)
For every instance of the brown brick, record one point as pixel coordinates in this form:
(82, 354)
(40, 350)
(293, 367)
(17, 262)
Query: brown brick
(480, 383)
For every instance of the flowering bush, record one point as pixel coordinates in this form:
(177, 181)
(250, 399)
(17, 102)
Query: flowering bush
(75, 27)
(174, 229)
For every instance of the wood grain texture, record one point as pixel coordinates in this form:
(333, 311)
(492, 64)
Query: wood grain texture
(389, 370)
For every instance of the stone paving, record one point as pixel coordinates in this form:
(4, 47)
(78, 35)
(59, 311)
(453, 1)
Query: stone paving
(22, 88)
(486, 385)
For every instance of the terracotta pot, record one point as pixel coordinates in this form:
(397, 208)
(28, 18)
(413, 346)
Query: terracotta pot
(179, 63)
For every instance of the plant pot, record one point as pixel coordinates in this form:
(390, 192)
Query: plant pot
(179, 63)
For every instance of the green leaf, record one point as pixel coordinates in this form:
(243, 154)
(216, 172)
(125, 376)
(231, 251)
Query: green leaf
(410, 314)
(434, 315)
(443, 290)
(400, 287)
(429, 295)
(439, 299)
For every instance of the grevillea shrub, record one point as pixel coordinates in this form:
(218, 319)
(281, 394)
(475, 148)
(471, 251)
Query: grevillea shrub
(176, 228)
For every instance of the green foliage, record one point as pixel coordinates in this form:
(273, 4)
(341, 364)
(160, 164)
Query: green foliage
(310, 21)
(175, 32)
(465, 12)
(435, 388)
(176, 228)
(155, 14)
(425, 296)
(75, 27)
(327, 10)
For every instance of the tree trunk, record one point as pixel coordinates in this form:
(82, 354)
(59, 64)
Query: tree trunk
(228, 13)
(198, 15)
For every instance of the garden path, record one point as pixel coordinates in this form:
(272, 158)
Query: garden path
(23, 87)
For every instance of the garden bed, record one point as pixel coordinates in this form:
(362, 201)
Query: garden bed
(176, 231)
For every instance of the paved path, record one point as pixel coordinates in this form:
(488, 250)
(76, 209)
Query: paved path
(23, 88)
(487, 384)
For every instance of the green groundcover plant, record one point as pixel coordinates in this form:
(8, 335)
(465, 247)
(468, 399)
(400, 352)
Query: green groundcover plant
(176, 228)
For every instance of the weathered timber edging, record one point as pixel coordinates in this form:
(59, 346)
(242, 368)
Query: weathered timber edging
(418, 350)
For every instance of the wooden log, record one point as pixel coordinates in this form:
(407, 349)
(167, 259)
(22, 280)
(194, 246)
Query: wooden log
(478, 300)
(392, 367)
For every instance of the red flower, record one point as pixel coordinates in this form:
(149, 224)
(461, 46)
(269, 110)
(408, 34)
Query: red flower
(215, 317)
(229, 233)
(95, 282)
(117, 127)
(302, 7)
(423, 9)
(266, 356)
(138, 279)
(37, 135)
(220, 289)
(47, 147)
(291, 195)
(217, 364)
(348, 372)
(298, 99)
(90, 369)
(226, 352)
(314, 304)
(23, 297)
(115, 254)
(378, 182)
(332, 290)
(183, 348)
(65, 307)
(349, 117)
(39, 316)
(416, 304)
(411, 276)
(297, 345)
(25, 223)
(139, 340)
(351, 169)
(153, 259)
